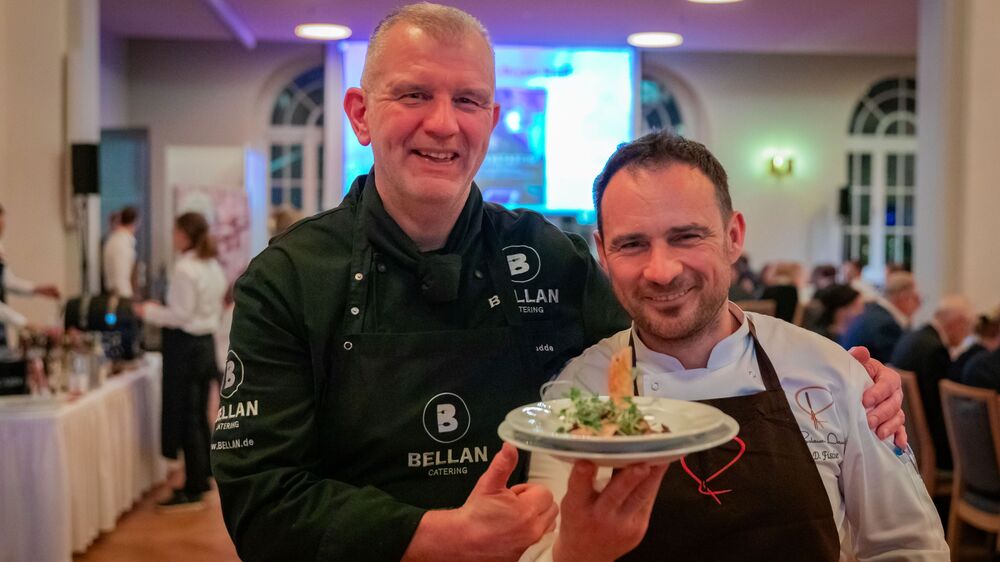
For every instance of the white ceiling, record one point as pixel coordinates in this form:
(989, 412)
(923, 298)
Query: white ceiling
(876, 27)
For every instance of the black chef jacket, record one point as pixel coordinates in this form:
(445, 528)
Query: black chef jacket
(291, 452)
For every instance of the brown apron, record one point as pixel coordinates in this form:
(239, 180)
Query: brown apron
(758, 497)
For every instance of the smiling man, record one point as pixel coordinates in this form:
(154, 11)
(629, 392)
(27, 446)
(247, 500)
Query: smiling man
(804, 478)
(376, 347)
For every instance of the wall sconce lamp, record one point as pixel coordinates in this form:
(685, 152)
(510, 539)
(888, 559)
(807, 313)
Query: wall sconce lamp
(781, 164)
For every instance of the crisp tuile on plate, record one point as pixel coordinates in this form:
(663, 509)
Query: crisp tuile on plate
(617, 415)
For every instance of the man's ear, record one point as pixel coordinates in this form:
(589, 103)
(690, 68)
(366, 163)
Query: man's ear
(600, 250)
(357, 113)
(735, 236)
(496, 115)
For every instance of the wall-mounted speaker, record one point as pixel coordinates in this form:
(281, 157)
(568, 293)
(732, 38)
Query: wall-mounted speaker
(84, 164)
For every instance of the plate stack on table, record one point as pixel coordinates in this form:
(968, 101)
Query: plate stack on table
(691, 427)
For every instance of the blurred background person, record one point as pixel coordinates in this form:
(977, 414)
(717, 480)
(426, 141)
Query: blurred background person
(119, 255)
(983, 368)
(926, 353)
(851, 274)
(189, 319)
(885, 320)
(281, 219)
(11, 283)
(782, 286)
(744, 285)
(833, 309)
(985, 338)
(823, 275)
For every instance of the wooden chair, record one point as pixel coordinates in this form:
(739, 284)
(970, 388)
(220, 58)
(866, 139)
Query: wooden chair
(972, 419)
(766, 307)
(938, 483)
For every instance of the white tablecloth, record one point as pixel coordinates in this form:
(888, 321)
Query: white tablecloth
(67, 471)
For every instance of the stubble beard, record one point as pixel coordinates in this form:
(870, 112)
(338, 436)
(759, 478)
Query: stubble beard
(675, 330)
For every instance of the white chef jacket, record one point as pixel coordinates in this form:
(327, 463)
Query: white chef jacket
(13, 285)
(880, 505)
(119, 261)
(194, 297)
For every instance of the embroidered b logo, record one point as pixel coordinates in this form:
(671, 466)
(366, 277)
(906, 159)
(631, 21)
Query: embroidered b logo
(233, 377)
(518, 264)
(523, 261)
(446, 418)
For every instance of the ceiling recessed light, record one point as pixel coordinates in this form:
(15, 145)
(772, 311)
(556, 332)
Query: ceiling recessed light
(655, 39)
(322, 31)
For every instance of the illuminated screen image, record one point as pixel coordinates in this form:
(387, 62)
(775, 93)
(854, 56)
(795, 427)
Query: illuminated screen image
(563, 111)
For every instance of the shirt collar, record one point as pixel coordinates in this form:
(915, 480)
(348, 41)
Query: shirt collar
(726, 352)
(897, 315)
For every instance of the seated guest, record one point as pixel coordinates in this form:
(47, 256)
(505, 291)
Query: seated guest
(985, 338)
(884, 320)
(823, 275)
(781, 286)
(850, 274)
(835, 307)
(983, 369)
(925, 352)
(744, 284)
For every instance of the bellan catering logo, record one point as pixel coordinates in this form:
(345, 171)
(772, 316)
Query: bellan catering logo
(524, 263)
(233, 377)
(446, 418)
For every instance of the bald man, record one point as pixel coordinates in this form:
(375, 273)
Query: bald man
(926, 352)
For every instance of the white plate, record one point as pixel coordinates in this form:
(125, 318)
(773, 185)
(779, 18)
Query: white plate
(684, 419)
(718, 436)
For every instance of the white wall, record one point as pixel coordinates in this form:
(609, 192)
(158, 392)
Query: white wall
(114, 81)
(980, 268)
(33, 44)
(204, 93)
(748, 103)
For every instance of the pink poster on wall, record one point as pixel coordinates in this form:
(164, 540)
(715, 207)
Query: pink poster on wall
(228, 213)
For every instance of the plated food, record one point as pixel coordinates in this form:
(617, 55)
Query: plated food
(617, 414)
(617, 429)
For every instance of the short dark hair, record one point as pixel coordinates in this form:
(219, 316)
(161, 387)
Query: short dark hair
(127, 215)
(658, 150)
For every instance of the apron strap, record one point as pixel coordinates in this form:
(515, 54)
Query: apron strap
(767, 372)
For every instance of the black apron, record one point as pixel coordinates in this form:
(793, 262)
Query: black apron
(758, 497)
(415, 414)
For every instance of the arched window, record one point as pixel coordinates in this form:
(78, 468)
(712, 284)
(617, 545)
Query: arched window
(881, 175)
(659, 108)
(296, 140)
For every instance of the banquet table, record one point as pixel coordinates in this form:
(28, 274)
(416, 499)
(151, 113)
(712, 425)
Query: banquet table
(69, 468)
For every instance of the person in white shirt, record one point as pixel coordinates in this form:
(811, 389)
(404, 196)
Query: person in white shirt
(190, 317)
(11, 283)
(119, 254)
(804, 479)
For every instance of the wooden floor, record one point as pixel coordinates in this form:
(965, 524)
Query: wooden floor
(145, 535)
